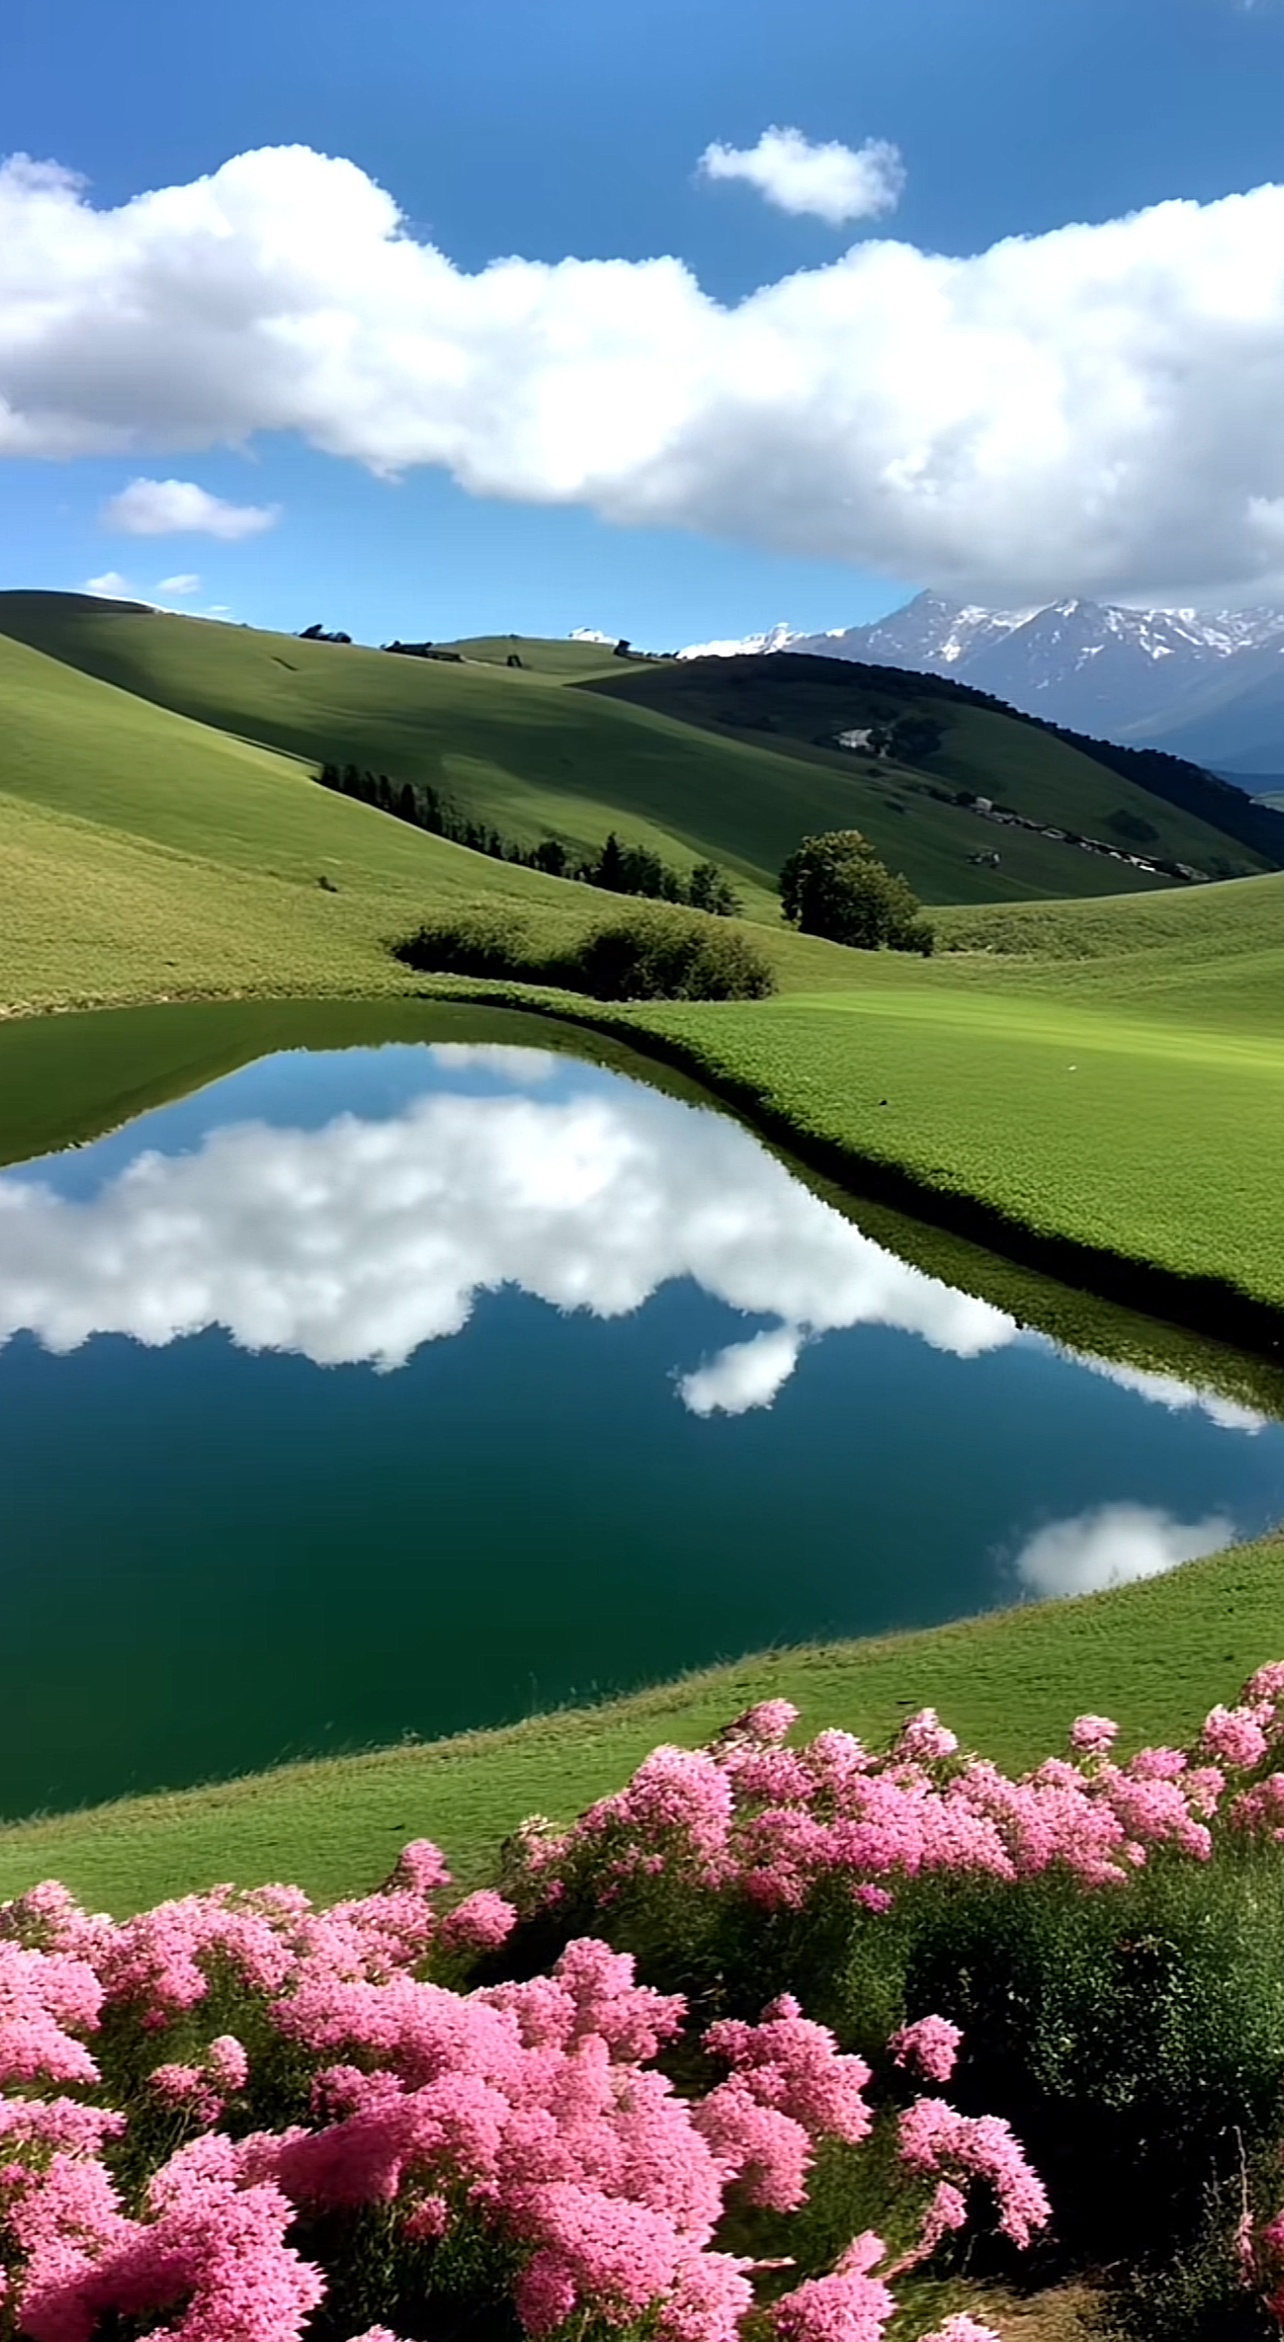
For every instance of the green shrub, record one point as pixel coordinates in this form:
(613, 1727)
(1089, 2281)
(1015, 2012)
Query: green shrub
(655, 952)
(834, 885)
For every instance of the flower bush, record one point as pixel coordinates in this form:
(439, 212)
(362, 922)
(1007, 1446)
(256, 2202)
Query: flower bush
(371, 2137)
(685, 2078)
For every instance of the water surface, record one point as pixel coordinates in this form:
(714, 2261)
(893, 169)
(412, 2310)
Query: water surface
(396, 1390)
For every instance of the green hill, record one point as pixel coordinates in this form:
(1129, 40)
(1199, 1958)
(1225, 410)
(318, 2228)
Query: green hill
(145, 851)
(516, 747)
(801, 703)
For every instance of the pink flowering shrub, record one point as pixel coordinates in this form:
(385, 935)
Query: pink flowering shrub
(521, 2131)
(238, 2118)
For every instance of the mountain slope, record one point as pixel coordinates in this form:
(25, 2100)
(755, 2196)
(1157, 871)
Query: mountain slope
(518, 748)
(1235, 723)
(802, 700)
(1098, 668)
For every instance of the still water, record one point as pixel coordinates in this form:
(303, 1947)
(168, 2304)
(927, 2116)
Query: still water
(395, 1390)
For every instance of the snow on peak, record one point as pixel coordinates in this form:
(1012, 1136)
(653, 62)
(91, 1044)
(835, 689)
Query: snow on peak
(775, 638)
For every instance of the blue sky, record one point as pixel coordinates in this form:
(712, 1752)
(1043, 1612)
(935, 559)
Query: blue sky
(549, 129)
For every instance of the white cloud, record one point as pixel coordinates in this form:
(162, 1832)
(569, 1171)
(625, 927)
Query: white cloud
(111, 585)
(745, 1375)
(186, 583)
(362, 1240)
(173, 508)
(1113, 1545)
(831, 182)
(1093, 409)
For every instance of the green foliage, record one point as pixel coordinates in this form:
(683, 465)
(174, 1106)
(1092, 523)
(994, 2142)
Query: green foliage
(618, 867)
(835, 885)
(1134, 2039)
(658, 953)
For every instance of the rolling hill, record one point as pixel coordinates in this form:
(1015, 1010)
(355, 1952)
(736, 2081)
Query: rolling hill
(517, 747)
(802, 701)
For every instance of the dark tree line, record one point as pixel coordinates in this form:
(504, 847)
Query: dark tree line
(616, 866)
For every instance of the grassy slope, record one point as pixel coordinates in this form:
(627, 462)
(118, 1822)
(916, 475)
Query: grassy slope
(1016, 764)
(532, 756)
(1155, 1655)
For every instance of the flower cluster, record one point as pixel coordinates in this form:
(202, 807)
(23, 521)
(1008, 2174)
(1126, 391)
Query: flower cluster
(750, 1818)
(528, 2119)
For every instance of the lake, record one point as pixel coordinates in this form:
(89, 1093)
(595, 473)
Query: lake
(386, 1391)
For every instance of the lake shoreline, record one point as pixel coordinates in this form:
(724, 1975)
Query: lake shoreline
(1207, 1306)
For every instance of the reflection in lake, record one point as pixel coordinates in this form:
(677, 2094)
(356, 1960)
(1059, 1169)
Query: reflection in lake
(521, 1502)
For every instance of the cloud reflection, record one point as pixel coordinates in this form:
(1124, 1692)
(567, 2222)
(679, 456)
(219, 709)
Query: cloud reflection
(1112, 1545)
(358, 1242)
(362, 1240)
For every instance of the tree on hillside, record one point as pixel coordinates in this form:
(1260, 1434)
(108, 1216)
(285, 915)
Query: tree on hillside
(708, 890)
(834, 885)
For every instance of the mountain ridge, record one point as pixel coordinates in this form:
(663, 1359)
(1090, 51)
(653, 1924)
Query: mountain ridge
(1171, 679)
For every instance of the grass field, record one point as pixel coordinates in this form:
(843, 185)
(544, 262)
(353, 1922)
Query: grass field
(1155, 1655)
(519, 749)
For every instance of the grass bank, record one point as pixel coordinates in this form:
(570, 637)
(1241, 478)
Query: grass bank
(1156, 1655)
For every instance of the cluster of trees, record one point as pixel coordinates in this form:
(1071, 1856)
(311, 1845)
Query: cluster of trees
(616, 866)
(834, 885)
(318, 633)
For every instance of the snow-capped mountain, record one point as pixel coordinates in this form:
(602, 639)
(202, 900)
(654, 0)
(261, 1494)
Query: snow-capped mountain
(776, 638)
(1096, 666)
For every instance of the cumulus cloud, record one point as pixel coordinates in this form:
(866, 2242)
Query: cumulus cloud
(111, 585)
(744, 1375)
(187, 582)
(1112, 1545)
(174, 508)
(1098, 409)
(830, 181)
(362, 1240)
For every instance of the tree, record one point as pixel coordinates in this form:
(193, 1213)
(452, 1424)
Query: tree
(834, 885)
(708, 890)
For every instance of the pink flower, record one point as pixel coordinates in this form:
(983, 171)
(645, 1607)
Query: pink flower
(421, 1867)
(794, 2065)
(962, 2328)
(1233, 1736)
(479, 1924)
(765, 2151)
(1093, 1735)
(923, 1739)
(771, 1721)
(849, 2306)
(936, 2139)
(931, 2044)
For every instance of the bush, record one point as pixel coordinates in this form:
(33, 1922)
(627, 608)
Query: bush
(834, 885)
(652, 953)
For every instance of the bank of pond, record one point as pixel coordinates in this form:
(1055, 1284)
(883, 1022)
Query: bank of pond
(446, 1369)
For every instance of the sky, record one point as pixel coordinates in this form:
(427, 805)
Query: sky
(675, 322)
